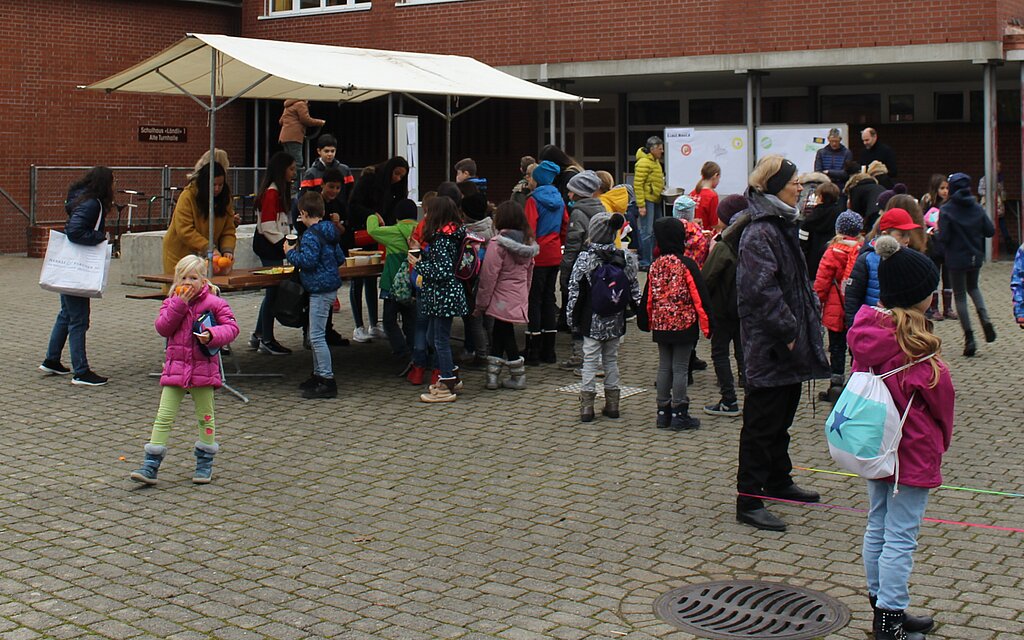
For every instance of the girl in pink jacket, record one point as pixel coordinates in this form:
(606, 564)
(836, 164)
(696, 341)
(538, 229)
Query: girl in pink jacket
(196, 323)
(883, 339)
(504, 291)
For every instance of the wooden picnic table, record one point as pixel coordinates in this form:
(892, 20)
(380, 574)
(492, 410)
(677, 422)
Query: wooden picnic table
(243, 279)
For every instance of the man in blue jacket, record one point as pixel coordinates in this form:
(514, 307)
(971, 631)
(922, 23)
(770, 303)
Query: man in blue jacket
(832, 158)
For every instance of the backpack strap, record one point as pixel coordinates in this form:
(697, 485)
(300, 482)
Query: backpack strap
(906, 366)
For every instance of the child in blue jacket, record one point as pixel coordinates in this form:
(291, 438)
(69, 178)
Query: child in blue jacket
(318, 256)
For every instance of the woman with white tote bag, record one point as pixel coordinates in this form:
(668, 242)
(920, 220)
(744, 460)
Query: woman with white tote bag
(87, 203)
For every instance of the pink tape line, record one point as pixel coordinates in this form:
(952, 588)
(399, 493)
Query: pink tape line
(858, 510)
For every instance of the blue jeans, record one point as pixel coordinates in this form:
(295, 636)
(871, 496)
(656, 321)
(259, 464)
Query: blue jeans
(70, 327)
(890, 540)
(442, 328)
(646, 232)
(265, 320)
(421, 338)
(319, 310)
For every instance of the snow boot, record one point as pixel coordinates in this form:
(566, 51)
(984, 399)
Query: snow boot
(146, 474)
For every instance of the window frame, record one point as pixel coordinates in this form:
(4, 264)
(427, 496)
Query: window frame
(350, 6)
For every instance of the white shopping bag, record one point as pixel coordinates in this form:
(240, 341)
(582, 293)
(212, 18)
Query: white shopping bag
(75, 269)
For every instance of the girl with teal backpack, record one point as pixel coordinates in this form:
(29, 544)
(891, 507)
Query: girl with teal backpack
(884, 339)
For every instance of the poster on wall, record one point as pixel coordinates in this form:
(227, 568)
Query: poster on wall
(688, 148)
(798, 143)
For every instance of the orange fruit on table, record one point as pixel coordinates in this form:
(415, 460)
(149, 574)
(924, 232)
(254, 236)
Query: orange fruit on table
(223, 261)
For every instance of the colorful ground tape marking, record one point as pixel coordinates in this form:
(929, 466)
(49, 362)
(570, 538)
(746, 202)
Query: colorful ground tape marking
(990, 492)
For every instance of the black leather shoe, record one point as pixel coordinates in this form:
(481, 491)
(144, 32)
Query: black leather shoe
(911, 624)
(761, 519)
(795, 493)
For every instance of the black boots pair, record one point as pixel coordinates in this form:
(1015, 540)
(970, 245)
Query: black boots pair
(676, 417)
(898, 625)
(317, 387)
(540, 348)
(970, 346)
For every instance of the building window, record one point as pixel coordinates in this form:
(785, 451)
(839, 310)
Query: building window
(864, 108)
(901, 108)
(708, 111)
(656, 112)
(785, 110)
(1007, 107)
(949, 106)
(280, 7)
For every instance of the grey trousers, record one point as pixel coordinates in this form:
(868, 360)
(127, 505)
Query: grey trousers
(594, 353)
(673, 369)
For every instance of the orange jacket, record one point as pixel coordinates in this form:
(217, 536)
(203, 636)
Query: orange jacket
(294, 121)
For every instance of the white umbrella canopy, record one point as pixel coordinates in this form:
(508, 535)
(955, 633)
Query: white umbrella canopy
(274, 69)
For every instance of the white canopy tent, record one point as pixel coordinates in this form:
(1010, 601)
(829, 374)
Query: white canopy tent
(230, 67)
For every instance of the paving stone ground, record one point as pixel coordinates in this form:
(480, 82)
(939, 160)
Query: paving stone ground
(498, 516)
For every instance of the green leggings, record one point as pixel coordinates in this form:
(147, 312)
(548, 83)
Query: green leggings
(170, 401)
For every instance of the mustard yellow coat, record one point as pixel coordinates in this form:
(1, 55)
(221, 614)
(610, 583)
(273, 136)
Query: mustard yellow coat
(189, 230)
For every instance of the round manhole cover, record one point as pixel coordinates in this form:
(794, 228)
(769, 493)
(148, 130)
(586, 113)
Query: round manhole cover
(751, 609)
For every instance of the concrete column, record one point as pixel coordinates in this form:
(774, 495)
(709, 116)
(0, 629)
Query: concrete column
(991, 146)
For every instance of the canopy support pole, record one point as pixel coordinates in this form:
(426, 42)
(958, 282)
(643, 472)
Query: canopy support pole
(213, 149)
(447, 137)
(551, 123)
(562, 127)
(391, 126)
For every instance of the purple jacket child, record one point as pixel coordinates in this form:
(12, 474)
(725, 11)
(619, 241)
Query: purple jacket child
(929, 426)
(505, 277)
(186, 365)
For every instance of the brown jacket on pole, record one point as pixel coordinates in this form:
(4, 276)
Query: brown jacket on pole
(294, 121)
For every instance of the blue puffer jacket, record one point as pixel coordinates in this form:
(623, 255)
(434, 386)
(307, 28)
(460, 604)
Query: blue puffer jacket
(862, 288)
(81, 225)
(317, 260)
(963, 227)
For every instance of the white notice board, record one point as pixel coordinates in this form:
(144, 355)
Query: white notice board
(688, 148)
(407, 145)
(798, 143)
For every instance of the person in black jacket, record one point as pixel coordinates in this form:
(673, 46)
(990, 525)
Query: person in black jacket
(963, 227)
(820, 226)
(780, 327)
(875, 150)
(87, 203)
(720, 277)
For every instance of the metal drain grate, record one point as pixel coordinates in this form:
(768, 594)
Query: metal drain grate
(751, 609)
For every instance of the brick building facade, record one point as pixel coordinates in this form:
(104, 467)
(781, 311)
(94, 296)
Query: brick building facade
(626, 52)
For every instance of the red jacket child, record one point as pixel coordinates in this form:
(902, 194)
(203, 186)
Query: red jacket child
(830, 283)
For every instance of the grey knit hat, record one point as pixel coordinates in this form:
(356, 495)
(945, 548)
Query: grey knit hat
(585, 183)
(603, 227)
(849, 223)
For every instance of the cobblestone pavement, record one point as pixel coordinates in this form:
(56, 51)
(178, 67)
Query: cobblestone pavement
(499, 516)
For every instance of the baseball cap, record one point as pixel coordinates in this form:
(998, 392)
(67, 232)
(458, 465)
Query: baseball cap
(897, 218)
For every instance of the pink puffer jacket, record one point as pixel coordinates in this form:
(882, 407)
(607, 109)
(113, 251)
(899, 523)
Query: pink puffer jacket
(186, 365)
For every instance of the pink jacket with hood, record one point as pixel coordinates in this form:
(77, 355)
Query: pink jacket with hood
(186, 365)
(929, 426)
(505, 277)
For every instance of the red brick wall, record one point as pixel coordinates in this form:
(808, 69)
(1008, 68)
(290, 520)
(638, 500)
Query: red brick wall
(500, 32)
(46, 49)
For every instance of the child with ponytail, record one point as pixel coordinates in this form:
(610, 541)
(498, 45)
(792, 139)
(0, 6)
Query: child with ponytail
(884, 338)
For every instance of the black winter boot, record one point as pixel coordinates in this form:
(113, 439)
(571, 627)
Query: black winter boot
(532, 352)
(664, 415)
(325, 388)
(587, 405)
(990, 331)
(888, 625)
(911, 624)
(547, 347)
(970, 348)
(681, 418)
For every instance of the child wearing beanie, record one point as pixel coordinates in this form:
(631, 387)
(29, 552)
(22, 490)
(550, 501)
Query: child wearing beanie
(882, 339)
(834, 270)
(684, 208)
(549, 220)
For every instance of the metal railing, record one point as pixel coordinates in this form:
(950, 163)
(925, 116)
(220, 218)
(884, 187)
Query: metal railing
(155, 188)
(14, 203)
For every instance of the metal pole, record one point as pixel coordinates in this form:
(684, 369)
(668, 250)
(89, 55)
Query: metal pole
(551, 123)
(255, 138)
(991, 179)
(213, 149)
(391, 126)
(751, 131)
(562, 127)
(447, 137)
(34, 177)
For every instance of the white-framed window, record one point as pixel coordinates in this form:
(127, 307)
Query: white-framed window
(282, 8)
